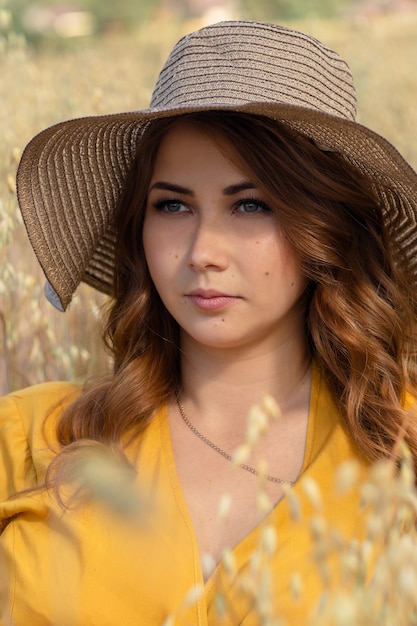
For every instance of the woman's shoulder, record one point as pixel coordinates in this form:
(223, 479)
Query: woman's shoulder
(43, 392)
(51, 389)
(32, 404)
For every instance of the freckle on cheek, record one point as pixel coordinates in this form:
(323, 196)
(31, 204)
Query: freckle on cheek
(266, 273)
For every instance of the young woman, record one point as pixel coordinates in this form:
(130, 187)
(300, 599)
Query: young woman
(258, 243)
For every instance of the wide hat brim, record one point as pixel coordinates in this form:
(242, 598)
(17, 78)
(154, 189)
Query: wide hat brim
(70, 178)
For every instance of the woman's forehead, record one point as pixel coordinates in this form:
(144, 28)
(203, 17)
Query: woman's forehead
(185, 132)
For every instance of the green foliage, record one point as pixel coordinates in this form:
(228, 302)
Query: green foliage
(275, 10)
(31, 18)
(123, 12)
(127, 14)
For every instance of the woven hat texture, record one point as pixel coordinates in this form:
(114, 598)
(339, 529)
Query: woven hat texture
(70, 175)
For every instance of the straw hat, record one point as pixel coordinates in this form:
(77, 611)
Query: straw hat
(70, 175)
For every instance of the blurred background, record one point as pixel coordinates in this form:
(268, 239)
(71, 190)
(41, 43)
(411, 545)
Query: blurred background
(55, 19)
(68, 59)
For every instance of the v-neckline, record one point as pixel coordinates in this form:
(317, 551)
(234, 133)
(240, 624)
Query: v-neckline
(250, 538)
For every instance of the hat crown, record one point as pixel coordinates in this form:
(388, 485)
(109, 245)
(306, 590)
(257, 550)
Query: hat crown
(238, 63)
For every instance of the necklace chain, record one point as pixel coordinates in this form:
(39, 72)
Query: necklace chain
(219, 450)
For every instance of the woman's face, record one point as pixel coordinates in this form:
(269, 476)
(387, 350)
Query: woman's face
(215, 251)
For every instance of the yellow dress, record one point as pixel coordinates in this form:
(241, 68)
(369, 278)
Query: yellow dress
(92, 565)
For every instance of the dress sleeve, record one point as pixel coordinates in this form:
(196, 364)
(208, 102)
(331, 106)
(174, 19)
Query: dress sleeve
(27, 445)
(17, 469)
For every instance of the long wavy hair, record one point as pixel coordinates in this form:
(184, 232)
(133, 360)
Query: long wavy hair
(360, 314)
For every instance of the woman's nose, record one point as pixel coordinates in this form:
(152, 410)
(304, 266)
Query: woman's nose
(208, 246)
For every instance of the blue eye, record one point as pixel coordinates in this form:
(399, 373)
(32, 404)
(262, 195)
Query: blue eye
(251, 206)
(170, 206)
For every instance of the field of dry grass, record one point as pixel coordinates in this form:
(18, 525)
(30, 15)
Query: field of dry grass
(36, 342)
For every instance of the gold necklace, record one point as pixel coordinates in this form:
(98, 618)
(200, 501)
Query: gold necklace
(219, 450)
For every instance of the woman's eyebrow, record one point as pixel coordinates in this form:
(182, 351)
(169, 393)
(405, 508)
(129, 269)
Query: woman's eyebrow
(227, 191)
(233, 189)
(171, 187)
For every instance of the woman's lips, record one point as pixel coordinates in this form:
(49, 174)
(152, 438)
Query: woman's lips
(210, 300)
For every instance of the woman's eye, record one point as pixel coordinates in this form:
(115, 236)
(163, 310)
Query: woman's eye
(251, 206)
(171, 206)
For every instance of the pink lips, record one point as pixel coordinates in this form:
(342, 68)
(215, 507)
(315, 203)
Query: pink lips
(210, 300)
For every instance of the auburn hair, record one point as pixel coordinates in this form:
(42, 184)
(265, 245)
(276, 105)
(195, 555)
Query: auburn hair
(360, 316)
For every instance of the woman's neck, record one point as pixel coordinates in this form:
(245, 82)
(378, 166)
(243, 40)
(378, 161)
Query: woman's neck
(217, 383)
